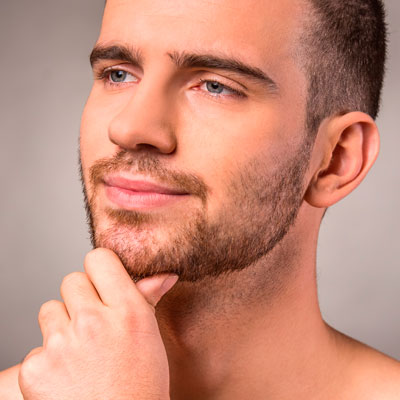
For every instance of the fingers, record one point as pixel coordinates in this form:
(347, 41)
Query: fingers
(116, 288)
(108, 275)
(78, 292)
(53, 318)
(154, 288)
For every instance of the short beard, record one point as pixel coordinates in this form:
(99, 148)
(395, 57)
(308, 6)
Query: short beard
(259, 210)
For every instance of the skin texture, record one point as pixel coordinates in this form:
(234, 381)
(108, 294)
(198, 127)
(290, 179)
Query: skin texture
(248, 206)
(257, 331)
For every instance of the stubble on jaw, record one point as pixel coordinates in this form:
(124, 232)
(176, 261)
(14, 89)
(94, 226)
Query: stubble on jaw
(259, 210)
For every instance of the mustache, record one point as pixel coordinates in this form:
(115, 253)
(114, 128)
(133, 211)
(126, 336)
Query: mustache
(151, 166)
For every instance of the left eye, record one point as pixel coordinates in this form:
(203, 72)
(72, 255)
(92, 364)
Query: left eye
(120, 76)
(216, 88)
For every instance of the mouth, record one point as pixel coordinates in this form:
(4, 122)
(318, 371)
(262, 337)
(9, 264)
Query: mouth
(133, 194)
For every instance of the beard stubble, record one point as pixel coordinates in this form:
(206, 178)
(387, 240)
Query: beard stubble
(259, 210)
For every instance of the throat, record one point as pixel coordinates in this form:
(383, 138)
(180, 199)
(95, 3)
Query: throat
(221, 332)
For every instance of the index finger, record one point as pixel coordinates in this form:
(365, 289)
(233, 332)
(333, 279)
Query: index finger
(112, 282)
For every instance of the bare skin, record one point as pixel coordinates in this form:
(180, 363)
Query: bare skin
(251, 334)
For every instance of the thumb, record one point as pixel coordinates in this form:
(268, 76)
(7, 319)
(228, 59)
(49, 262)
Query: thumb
(154, 287)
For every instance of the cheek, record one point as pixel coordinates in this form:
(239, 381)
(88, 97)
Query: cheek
(218, 144)
(217, 140)
(94, 140)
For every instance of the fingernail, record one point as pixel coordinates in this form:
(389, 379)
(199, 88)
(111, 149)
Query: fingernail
(168, 283)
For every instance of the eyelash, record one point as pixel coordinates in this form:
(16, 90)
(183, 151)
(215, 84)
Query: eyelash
(104, 75)
(236, 93)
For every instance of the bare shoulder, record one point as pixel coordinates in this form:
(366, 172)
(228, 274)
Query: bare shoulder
(374, 375)
(381, 376)
(386, 371)
(9, 389)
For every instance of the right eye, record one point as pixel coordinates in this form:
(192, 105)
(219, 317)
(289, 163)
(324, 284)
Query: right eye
(120, 76)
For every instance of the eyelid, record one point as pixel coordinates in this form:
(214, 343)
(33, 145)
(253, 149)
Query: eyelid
(234, 91)
(228, 76)
(102, 73)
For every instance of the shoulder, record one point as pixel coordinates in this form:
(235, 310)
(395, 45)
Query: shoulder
(9, 388)
(373, 375)
(382, 376)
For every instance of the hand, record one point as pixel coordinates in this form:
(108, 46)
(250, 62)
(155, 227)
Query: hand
(103, 342)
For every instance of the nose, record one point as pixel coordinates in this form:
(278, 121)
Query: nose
(145, 121)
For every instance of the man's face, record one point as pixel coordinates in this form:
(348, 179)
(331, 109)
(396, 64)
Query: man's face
(173, 104)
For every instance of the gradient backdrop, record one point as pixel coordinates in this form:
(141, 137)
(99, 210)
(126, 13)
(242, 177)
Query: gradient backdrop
(46, 78)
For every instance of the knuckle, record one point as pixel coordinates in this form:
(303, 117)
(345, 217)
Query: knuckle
(88, 323)
(137, 319)
(127, 317)
(72, 278)
(55, 342)
(27, 374)
(30, 369)
(46, 309)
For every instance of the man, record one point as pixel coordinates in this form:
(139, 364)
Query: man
(213, 141)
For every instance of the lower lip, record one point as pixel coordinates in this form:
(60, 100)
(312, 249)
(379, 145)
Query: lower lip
(130, 200)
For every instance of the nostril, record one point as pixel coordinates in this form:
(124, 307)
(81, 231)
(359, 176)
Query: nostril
(131, 131)
(146, 146)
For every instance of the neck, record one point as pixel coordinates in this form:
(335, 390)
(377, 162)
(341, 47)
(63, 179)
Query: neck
(257, 333)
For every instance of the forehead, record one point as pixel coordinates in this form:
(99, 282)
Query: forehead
(261, 31)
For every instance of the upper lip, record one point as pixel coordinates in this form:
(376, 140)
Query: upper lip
(140, 185)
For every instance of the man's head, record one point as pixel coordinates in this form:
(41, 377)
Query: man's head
(211, 100)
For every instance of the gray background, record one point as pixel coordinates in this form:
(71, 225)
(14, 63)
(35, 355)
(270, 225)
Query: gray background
(45, 79)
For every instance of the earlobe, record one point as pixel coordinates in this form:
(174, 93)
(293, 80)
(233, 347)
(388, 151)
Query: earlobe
(350, 146)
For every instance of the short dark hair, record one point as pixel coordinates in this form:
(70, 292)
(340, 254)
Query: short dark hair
(344, 46)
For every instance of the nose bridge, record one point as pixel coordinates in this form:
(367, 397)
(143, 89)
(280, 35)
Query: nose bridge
(151, 99)
(146, 118)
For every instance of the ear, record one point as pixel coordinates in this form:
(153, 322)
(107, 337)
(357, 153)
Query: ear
(350, 145)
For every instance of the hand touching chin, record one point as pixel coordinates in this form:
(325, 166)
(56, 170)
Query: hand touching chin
(103, 341)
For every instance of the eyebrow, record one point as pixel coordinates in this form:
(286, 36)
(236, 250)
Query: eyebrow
(120, 53)
(185, 60)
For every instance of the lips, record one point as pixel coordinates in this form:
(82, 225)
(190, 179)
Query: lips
(140, 186)
(129, 194)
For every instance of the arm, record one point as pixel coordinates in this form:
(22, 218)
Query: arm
(9, 388)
